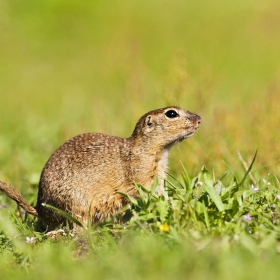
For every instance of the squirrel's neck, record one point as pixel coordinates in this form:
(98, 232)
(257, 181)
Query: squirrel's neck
(147, 162)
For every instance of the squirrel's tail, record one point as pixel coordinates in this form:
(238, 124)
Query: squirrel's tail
(13, 194)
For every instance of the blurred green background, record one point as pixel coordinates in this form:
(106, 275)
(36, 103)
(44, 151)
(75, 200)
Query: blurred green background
(69, 67)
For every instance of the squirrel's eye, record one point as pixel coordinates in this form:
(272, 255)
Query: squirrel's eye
(171, 114)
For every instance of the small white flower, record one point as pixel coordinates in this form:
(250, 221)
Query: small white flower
(30, 240)
(218, 188)
(253, 188)
(278, 196)
(199, 184)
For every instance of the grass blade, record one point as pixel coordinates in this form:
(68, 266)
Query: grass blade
(249, 169)
(64, 214)
(130, 198)
(186, 177)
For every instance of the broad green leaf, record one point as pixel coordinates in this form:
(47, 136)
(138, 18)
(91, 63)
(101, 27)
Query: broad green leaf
(162, 207)
(209, 188)
(153, 188)
(214, 196)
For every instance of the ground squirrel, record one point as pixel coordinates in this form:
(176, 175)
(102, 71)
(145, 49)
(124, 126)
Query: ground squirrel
(85, 175)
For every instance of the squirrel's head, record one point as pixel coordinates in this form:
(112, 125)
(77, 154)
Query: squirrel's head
(166, 126)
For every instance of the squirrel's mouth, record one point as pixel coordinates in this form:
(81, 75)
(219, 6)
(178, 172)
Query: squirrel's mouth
(194, 129)
(184, 136)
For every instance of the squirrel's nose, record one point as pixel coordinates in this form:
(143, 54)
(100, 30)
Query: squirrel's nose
(195, 118)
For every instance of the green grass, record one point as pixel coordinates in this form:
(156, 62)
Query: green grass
(69, 67)
(205, 229)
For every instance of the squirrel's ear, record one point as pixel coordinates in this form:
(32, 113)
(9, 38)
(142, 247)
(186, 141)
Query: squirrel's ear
(149, 124)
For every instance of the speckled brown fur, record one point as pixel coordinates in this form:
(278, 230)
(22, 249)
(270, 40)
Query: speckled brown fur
(85, 174)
